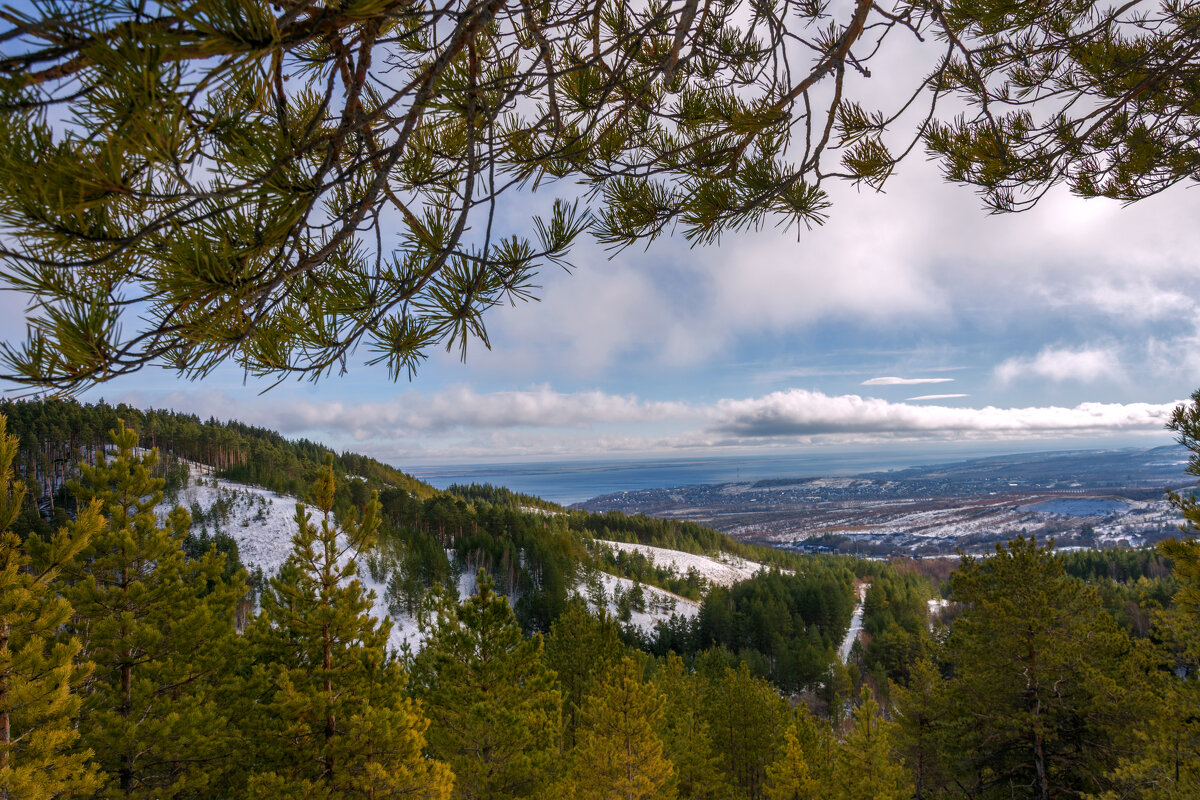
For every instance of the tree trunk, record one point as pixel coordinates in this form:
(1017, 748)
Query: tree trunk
(1033, 687)
(327, 660)
(1039, 762)
(5, 719)
(126, 771)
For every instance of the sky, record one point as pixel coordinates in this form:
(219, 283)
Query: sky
(911, 318)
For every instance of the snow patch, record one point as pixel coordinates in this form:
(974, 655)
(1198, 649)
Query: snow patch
(602, 590)
(723, 571)
(856, 625)
(263, 522)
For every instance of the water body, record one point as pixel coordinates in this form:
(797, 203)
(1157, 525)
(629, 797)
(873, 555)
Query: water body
(569, 482)
(1079, 506)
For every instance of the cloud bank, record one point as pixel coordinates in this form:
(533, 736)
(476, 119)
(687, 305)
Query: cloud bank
(904, 381)
(802, 413)
(415, 414)
(540, 421)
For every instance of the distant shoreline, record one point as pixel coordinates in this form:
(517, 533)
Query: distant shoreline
(569, 482)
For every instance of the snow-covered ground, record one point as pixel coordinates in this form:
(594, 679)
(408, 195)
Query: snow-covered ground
(909, 523)
(724, 571)
(545, 512)
(659, 605)
(263, 523)
(856, 621)
(936, 606)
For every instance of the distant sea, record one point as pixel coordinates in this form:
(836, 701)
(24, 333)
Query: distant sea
(569, 482)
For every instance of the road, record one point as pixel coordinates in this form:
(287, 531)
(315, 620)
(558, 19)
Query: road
(855, 624)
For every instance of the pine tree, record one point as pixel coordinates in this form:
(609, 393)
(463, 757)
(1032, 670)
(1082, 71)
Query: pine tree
(275, 183)
(865, 765)
(158, 627)
(919, 712)
(747, 718)
(687, 739)
(1186, 553)
(618, 754)
(789, 778)
(39, 673)
(580, 648)
(837, 690)
(492, 701)
(1041, 690)
(334, 722)
(1163, 762)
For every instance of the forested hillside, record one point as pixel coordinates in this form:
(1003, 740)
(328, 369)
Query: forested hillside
(139, 660)
(56, 435)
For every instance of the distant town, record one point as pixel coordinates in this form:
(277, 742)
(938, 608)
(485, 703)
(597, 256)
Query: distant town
(1078, 498)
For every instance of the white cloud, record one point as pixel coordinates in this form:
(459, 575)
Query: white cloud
(923, 264)
(936, 397)
(416, 414)
(904, 381)
(1139, 299)
(464, 424)
(540, 407)
(1086, 365)
(803, 413)
(1175, 356)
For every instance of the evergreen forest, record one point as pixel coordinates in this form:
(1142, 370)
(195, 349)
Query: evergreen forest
(282, 186)
(141, 658)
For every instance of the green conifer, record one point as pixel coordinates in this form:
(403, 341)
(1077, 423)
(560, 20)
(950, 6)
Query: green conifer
(865, 765)
(492, 700)
(747, 718)
(1165, 764)
(919, 712)
(1040, 688)
(334, 721)
(580, 648)
(158, 627)
(818, 747)
(788, 778)
(1164, 760)
(39, 673)
(687, 739)
(618, 754)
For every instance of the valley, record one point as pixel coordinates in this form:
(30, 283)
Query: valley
(1080, 498)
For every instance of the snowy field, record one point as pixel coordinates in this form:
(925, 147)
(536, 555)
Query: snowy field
(261, 521)
(909, 524)
(724, 571)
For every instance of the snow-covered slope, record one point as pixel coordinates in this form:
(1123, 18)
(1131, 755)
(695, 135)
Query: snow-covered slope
(724, 571)
(263, 523)
(602, 590)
